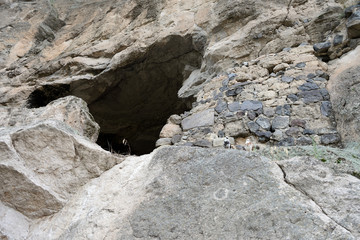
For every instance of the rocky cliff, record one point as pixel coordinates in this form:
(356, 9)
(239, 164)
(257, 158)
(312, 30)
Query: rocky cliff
(84, 82)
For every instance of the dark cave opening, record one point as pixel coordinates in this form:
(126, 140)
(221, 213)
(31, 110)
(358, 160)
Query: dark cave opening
(144, 95)
(47, 93)
(132, 103)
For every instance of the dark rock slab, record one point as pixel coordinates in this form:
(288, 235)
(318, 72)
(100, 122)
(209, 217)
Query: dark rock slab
(292, 97)
(325, 108)
(311, 96)
(263, 123)
(221, 106)
(287, 79)
(308, 86)
(322, 47)
(251, 105)
(280, 122)
(298, 123)
(234, 106)
(308, 132)
(283, 110)
(331, 138)
(253, 126)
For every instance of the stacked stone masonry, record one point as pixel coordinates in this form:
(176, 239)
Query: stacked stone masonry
(279, 99)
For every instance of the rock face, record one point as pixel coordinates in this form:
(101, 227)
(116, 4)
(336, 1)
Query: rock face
(210, 194)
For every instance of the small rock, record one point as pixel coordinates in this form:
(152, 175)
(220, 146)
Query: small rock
(330, 139)
(231, 76)
(286, 49)
(308, 132)
(310, 96)
(287, 142)
(169, 130)
(251, 105)
(265, 135)
(280, 122)
(264, 123)
(338, 39)
(287, 79)
(253, 127)
(175, 119)
(231, 93)
(222, 89)
(221, 134)
(233, 107)
(300, 77)
(325, 94)
(322, 47)
(300, 65)
(311, 75)
(200, 119)
(298, 123)
(320, 79)
(176, 139)
(283, 110)
(325, 108)
(251, 115)
(280, 67)
(292, 97)
(277, 135)
(269, 112)
(308, 86)
(221, 106)
(163, 142)
(304, 141)
(203, 143)
(293, 131)
(322, 74)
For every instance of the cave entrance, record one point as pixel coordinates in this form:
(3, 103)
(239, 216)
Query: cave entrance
(144, 94)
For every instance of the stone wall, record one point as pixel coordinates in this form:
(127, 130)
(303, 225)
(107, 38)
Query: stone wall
(278, 99)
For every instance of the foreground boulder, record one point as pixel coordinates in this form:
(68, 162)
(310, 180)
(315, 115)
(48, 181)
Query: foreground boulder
(194, 193)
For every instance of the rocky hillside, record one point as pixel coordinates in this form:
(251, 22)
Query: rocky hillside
(85, 83)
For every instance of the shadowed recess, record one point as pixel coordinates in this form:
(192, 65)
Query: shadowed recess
(144, 94)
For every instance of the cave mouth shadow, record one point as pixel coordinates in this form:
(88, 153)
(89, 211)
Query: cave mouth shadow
(143, 95)
(133, 102)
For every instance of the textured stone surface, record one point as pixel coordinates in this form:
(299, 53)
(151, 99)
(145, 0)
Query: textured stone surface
(235, 129)
(200, 119)
(280, 122)
(169, 130)
(178, 192)
(44, 164)
(250, 105)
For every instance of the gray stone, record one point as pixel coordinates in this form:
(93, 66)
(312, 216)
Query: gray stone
(308, 86)
(300, 65)
(263, 123)
(277, 135)
(251, 105)
(283, 110)
(251, 115)
(330, 139)
(235, 129)
(287, 142)
(338, 39)
(234, 106)
(320, 79)
(308, 132)
(322, 47)
(304, 141)
(231, 76)
(253, 126)
(293, 131)
(280, 122)
(287, 79)
(176, 138)
(231, 93)
(264, 136)
(311, 96)
(200, 119)
(311, 75)
(203, 143)
(221, 134)
(298, 123)
(353, 24)
(300, 77)
(221, 106)
(163, 142)
(292, 97)
(338, 199)
(325, 94)
(269, 112)
(322, 74)
(325, 108)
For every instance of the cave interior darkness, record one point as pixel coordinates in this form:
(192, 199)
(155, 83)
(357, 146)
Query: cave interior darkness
(141, 97)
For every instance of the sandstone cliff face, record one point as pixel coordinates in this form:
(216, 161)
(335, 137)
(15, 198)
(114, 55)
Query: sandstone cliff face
(78, 74)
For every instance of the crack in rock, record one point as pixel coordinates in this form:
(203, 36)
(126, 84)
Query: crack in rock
(309, 197)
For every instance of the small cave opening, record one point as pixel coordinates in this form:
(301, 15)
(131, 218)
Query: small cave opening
(143, 95)
(47, 93)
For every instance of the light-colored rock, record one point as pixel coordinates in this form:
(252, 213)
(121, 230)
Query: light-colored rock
(169, 130)
(42, 165)
(13, 225)
(200, 119)
(235, 129)
(71, 110)
(224, 183)
(163, 142)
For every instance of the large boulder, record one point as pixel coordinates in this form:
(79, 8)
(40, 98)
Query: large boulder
(43, 164)
(344, 86)
(194, 193)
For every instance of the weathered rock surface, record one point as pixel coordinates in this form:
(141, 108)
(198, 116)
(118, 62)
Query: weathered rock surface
(186, 192)
(344, 86)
